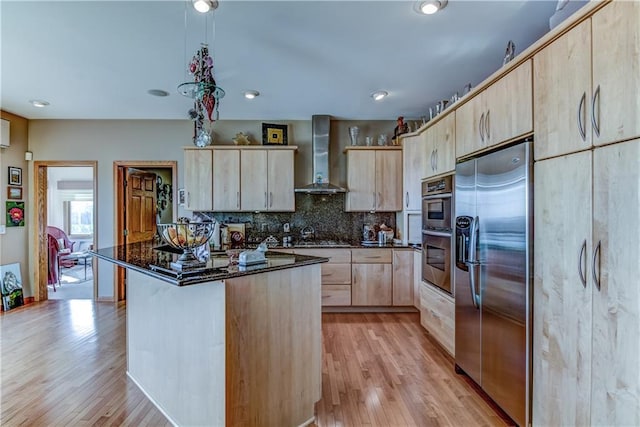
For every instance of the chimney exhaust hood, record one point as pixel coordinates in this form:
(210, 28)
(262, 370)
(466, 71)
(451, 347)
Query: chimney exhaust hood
(320, 146)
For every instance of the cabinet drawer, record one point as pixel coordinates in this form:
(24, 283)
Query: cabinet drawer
(371, 256)
(336, 274)
(336, 256)
(437, 315)
(336, 295)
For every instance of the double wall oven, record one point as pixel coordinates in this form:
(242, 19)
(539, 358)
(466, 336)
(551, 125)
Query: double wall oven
(437, 212)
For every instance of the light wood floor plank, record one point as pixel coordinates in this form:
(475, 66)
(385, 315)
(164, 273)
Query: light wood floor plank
(64, 364)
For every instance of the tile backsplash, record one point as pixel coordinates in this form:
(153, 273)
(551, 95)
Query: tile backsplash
(325, 213)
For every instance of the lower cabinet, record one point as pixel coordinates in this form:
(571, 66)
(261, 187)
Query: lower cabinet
(336, 275)
(437, 316)
(402, 294)
(371, 277)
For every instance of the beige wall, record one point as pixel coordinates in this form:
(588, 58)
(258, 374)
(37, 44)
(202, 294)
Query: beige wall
(109, 140)
(14, 244)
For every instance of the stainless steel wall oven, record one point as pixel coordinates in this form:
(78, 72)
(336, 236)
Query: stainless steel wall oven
(437, 212)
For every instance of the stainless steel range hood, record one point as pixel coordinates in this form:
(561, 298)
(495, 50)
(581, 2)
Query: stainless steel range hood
(320, 145)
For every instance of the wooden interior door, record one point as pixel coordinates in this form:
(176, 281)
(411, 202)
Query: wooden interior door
(140, 195)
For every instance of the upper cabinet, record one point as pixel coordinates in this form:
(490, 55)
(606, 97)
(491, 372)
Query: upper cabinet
(571, 112)
(374, 179)
(232, 179)
(414, 161)
(502, 112)
(441, 148)
(198, 179)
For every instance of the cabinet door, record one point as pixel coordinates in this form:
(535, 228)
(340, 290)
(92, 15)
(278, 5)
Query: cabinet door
(361, 180)
(253, 180)
(388, 179)
(509, 106)
(414, 153)
(226, 182)
(562, 90)
(281, 195)
(616, 306)
(444, 144)
(616, 71)
(402, 277)
(469, 119)
(561, 302)
(198, 174)
(371, 284)
(417, 277)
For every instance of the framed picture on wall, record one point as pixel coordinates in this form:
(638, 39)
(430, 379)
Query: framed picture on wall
(14, 193)
(273, 134)
(15, 175)
(15, 214)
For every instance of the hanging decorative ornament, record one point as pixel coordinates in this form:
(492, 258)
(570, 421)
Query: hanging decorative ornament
(205, 93)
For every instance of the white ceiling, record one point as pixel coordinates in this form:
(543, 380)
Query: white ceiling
(97, 59)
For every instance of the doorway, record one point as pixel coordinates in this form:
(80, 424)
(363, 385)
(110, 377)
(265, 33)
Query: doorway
(65, 199)
(146, 190)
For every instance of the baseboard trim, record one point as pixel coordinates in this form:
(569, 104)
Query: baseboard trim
(352, 309)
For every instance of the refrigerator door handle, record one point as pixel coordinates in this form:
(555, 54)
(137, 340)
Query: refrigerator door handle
(472, 283)
(473, 236)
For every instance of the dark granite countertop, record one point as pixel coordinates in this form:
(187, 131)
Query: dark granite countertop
(145, 258)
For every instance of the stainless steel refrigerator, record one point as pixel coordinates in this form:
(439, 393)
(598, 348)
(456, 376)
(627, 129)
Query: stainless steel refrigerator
(493, 209)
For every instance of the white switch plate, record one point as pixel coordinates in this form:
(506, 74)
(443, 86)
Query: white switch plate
(3, 229)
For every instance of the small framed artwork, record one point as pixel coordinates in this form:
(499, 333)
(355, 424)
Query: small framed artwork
(11, 288)
(14, 193)
(15, 175)
(182, 197)
(15, 214)
(273, 134)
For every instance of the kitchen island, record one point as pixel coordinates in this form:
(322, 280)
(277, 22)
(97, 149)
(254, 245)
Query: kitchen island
(228, 345)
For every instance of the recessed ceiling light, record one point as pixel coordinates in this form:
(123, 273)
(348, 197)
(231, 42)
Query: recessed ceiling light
(430, 7)
(204, 6)
(251, 94)
(379, 95)
(38, 103)
(158, 92)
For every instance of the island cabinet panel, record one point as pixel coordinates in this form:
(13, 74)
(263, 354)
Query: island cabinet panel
(226, 183)
(402, 277)
(274, 348)
(198, 179)
(586, 342)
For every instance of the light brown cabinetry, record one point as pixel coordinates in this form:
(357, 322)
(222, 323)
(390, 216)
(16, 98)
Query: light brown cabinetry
(414, 160)
(437, 316)
(226, 184)
(371, 275)
(228, 178)
(586, 297)
(374, 179)
(402, 294)
(571, 112)
(336, 275)
(198, 179)
(502, 112)
(441, 146)
(417, 277)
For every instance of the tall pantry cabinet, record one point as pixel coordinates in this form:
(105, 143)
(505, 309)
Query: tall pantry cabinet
(586, 344)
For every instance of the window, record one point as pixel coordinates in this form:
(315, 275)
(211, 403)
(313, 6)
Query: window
(79, 217)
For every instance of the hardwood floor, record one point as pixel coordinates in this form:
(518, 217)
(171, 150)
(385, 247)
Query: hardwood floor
(64, 362)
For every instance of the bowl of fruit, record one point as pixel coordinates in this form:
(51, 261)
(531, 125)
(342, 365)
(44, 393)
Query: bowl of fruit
(186, 236)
